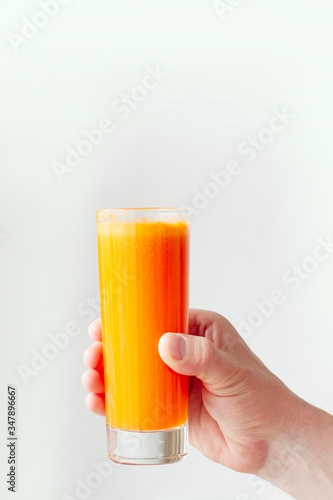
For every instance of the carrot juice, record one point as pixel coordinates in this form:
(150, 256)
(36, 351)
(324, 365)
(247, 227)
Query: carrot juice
(144, 275)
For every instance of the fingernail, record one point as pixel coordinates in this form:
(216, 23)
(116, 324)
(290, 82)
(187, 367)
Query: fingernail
(176, 346)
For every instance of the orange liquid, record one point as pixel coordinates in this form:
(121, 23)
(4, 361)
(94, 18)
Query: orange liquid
(144, 274)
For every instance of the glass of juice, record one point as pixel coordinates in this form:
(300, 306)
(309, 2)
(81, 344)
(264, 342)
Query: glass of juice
(143, 258)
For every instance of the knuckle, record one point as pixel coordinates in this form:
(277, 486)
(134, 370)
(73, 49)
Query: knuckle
(204, 353)
(223, 335)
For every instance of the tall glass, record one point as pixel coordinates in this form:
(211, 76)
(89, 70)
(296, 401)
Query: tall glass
(144, 284)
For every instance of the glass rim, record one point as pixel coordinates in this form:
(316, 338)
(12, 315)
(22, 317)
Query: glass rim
(137, 209)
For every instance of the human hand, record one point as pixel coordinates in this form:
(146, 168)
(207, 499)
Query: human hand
(232, 399)
(240, 414)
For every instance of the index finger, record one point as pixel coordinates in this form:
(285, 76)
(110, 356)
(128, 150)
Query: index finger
(95, 329)
(217, 329)
(201, 320)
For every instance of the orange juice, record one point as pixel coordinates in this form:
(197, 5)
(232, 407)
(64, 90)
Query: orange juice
(144, 275)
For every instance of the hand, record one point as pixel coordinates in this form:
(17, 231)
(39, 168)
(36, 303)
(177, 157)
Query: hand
(240, 414)
(232, 400)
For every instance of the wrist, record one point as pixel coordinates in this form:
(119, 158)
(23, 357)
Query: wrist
(300, 450)
(284, 444)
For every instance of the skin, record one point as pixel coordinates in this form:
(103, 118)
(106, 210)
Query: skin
(240, 414)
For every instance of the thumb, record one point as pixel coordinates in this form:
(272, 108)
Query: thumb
(198, 356)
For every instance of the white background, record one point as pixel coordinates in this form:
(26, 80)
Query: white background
(226, 75)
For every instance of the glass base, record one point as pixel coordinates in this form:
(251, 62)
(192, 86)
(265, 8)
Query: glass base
(147, 447)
